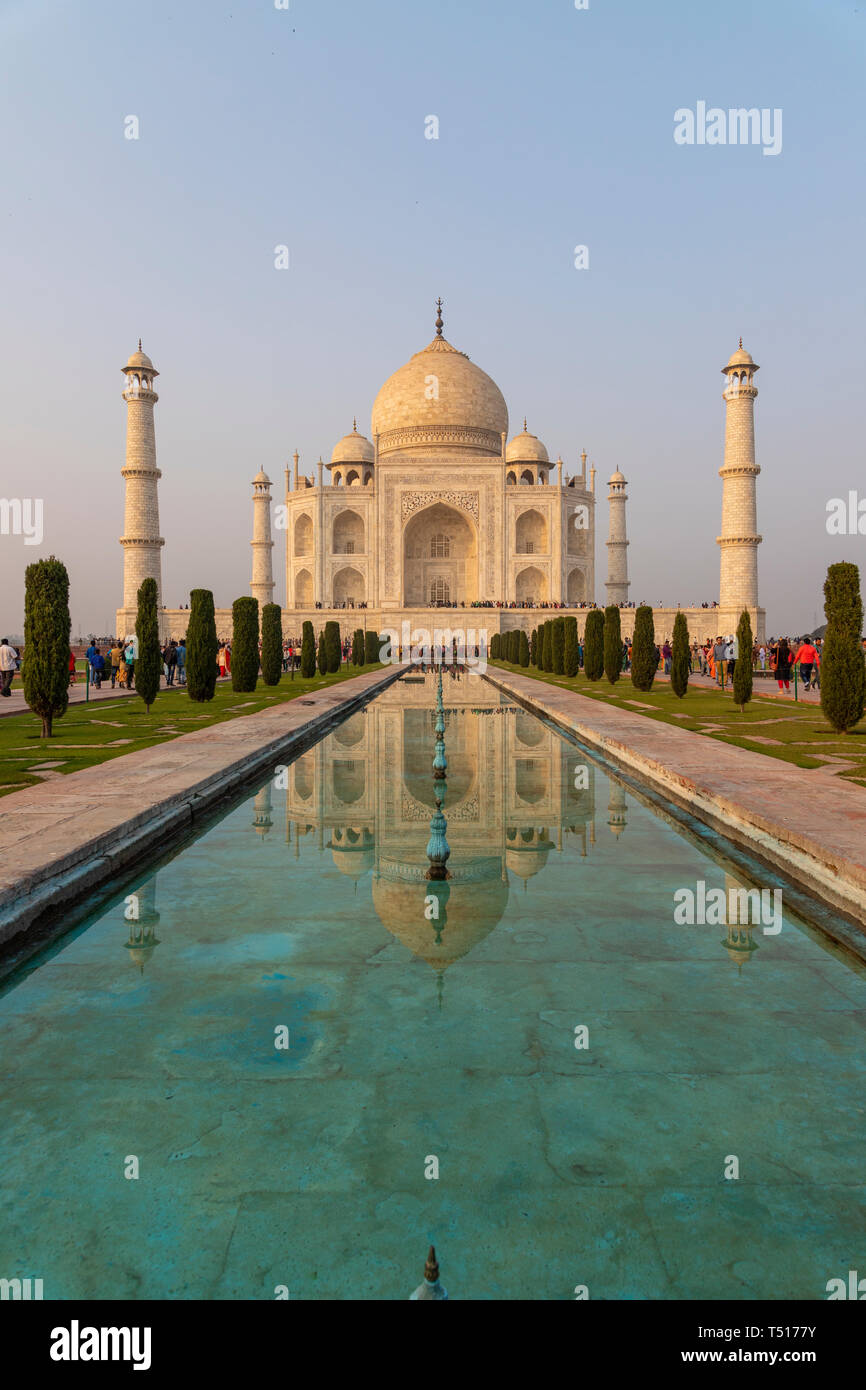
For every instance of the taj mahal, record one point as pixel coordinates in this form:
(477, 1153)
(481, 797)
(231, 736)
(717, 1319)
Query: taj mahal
(440, 510)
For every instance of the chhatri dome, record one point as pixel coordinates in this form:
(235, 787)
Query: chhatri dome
(440, 397)
(741, 358)
(526, 448)
(141, 359)
(353, 448)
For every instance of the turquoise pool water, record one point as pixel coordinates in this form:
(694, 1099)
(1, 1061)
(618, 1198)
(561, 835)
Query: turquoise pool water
(411, 1040)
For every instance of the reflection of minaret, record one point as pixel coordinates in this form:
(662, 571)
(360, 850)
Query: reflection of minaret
(143, 918)
(617, 542)
(262, 821)
(738, 943)
(616, 808)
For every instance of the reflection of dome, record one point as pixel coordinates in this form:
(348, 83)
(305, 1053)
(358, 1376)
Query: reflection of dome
(353, 851)
(526, 851)
(526, 448)
(434, 398)
(353, 448)
(477, 898)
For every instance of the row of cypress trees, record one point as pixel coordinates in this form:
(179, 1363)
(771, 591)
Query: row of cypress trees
(552, 647)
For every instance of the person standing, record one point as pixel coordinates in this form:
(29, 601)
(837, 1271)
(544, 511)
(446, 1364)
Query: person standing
(8, 666)
(130, 656)
(719, 661)
(116, 658)
(784, 661)
(732, 651)
(807, 655)
(71, 666)
(180, 657)
(97, 666)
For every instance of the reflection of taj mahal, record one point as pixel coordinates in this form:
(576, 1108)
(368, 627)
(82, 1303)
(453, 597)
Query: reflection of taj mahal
(439, 509)
(515, 794)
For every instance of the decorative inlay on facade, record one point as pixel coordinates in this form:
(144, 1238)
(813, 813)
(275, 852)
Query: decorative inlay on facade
(414, 501)
(453, 436)
(412, 810)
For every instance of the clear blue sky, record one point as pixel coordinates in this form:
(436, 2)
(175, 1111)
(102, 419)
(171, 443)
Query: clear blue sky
(306, 127)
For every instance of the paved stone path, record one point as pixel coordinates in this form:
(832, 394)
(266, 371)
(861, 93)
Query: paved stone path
(16, 704)
(68, 834)
(810, 826)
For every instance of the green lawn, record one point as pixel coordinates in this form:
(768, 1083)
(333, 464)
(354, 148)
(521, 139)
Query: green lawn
(796, 733)
(93, 733)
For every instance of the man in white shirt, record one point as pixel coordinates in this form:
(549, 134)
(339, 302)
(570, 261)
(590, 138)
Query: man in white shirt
(8, 666)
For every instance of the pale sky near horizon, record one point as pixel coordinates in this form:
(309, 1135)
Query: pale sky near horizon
(306, 127)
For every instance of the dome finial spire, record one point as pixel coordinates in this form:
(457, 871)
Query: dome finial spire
(524, 425)
(139, 345)
(741, 341)
(439, 323)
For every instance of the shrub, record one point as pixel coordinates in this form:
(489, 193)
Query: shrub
(533, 647)
(558, 628)
(322, 654)
(333, 646)
(201, 647)
(245, 644)
(743, 665)
(612, 643)
(308, 651)
(843, 679)
(46, 641)
(272, 643)
(593, 651)
(547, 647)
(495, 644)
(524, 649)
(371, 648)
(680, 656)
(643, 649)
(571, 655)
(148, 664)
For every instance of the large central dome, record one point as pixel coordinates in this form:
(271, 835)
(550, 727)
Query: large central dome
(439, 399)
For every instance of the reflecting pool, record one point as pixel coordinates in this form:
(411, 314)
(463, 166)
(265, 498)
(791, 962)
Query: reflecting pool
(286, 1034)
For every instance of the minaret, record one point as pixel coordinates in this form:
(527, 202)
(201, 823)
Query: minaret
(739, 541)
(617, 541)
(141, 540)
(262, 582)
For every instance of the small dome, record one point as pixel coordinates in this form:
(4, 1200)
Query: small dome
(262, 477)
(140, 359)
(741, 358)
(353, 448)
(526, 448)
(617, 477)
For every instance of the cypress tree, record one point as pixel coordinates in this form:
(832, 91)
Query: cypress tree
(358, 647)
(680, 656)
(524, 648)
(558, 646)
(514, 641)
(308, 651)
(201, 647)
(148, 664)
(843, 679)
(245, 644)
(547, 647)
(571, 656)
(612, 644)
(272, 643)
(322, 654)
(46, 640)
(494, 647)
(593, 652)
(743, 666)
(333, 646)
(371, 648)
(643, 649)
(533, 647)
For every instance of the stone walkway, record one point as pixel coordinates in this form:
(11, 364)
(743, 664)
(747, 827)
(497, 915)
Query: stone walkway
(811, 828)
(66, 836)
(16, 704)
